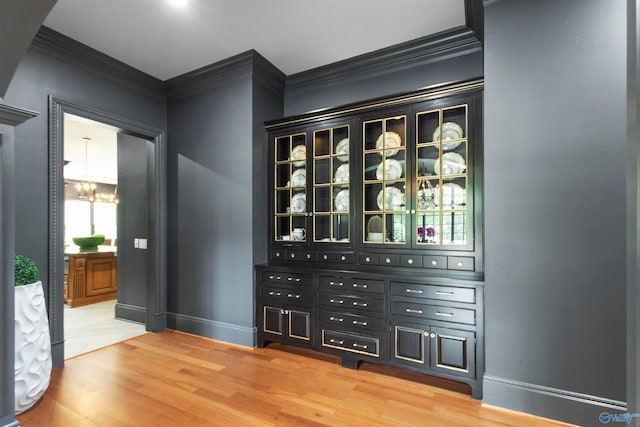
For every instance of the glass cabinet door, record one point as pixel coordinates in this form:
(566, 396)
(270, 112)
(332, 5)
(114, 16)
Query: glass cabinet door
(331, 182)
(290, 184)
(442, 181)
(384, 176)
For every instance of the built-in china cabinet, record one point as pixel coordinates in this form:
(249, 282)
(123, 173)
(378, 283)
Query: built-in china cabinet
(376, 233)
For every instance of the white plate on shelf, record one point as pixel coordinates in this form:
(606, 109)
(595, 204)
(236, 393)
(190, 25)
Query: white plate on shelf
(392, 169)
(390, 141)
(342, 149)
(299, 203)
(453, 196)
(299, 155)
(452, 164)
(393, 198)
(342, 174)
(451, 131)
(341, 202)
(299, 178)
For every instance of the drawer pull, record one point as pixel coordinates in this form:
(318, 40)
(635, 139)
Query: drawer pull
(271, 277)
(336, 319)
(336, 342)
(360, 304)
(357, 322)
(297, 279)
(355, 285)
(343, 258)
(362, 346)
(277, 277)
(332, 283)
(414, 291)
(277, 254)
(275, 293)
(333, 301)
(448, 294)
(434, 262)
(325, 256)
(297, 296)
(388, 260)
(308, 256)
(439, 313)
(368, 259)
(409, 310)
(293, 255)
(460, 264)
(289, 278)
(410, 261)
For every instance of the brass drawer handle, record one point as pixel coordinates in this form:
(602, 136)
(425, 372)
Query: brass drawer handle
(289, 278)
(275, 293)
(293, 296)
(271, 277)
(409, 310)
(438, 313)
(360, 304)
(362, 346)
(333, 301)
(297, 279)
(414, 291)
(336, 319)
(337, 342)
(357, 322)
(332, 283)
(448, 294)
(355, 285)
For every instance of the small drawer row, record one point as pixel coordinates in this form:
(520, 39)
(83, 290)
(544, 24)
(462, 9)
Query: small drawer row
(354, 343)
(417, 261)
(351, 284)
(287, 278)
(433, 312)
(434, 292)
(353, 321)
(303, 255)
(351, 302)
(274, 293)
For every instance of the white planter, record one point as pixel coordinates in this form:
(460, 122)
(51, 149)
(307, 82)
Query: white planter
(32, 346)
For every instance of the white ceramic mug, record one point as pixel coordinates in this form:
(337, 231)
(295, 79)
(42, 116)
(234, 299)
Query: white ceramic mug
(298, 234)
(285, 237)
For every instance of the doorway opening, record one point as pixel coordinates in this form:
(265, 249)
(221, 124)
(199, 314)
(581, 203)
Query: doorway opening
(91, 202)
(149, 306)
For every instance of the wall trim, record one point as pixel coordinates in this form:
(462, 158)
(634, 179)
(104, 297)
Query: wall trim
(13, 116)
(238, 67)
(213, 329)
(130, 312)
(70, 51)
(548, 402)
(437, 47)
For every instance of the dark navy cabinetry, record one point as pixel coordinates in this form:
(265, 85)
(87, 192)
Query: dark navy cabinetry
(375, 233)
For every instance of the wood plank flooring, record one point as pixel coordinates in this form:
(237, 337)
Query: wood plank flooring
(176, 379)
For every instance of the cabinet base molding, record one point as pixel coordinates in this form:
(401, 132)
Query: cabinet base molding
(563, 405)
(213, 329)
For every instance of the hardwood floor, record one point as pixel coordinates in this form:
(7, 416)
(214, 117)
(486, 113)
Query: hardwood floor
(176, 379)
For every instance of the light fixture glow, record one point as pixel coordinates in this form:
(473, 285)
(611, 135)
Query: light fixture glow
(178, 3)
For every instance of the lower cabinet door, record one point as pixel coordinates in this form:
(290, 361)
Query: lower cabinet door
(299, 324)
(410, 345)
(287, 323)
(272, 320)
(453, 352)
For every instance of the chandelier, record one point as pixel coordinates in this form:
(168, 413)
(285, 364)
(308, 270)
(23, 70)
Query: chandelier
(88, 189)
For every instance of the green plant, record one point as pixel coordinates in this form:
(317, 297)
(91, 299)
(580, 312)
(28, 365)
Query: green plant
(26, 271)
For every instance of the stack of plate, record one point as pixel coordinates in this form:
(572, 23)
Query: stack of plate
(342, 149)
(299, 178)
(452, 164)
(393, 199)
(389, 169)
(299, 203)
(341, 202)
(342, 174)
(449, 131)
(389, 142)
(299, 155)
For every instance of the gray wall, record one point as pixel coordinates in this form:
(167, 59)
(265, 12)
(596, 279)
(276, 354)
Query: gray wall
(555, 170)
(211, 196)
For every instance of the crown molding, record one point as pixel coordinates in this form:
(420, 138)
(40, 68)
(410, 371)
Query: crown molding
(474, 17)
(267, 74)
(68, 50)
(13, 116)
(438, 47)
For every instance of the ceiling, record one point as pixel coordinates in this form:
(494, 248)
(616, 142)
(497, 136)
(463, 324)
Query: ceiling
(165, 39)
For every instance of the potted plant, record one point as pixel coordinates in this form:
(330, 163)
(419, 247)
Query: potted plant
(32, 340)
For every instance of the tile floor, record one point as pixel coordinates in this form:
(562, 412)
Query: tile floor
(94, 326)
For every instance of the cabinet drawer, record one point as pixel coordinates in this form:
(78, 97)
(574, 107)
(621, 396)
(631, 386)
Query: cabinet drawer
(392, 260)
(425, 311)
(343, 258)
(351, 342)
(443, 293)
(350, 321)
(369, 259)
(350, 302)
(354, 284)
(282, 294)
(432, 261)
(286, 277)
(460, 263)
(410, 261)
